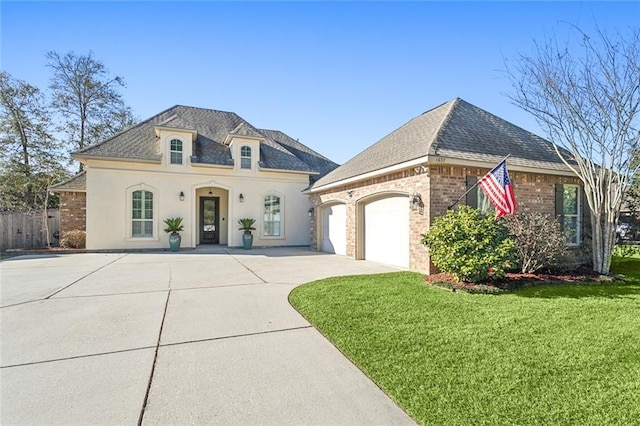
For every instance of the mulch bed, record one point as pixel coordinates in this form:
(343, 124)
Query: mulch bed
(513, 280)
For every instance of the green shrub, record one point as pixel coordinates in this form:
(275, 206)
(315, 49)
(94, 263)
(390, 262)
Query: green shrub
(538, 238)
(74, 239)
(469, 246)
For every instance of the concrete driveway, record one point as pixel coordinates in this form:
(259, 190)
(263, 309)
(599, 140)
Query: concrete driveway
(176, 338)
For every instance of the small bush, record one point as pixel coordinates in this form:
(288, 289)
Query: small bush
(539, 240)
(469, 246)
(74, 239)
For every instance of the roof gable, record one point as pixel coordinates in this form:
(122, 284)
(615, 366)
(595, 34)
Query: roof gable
(456, 129)
(77, 183)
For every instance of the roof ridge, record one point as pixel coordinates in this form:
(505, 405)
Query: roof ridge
(207, 109)
(445, 120)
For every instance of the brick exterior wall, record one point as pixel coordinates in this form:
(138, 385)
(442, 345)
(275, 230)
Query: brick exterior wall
(439, 186)
(73, 211)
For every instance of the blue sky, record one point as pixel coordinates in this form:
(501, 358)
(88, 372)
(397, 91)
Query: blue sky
(337, 75)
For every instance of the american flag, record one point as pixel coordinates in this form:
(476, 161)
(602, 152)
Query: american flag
(497, 186)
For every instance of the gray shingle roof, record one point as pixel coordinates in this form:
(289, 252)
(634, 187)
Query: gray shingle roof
(140, 143)
(455, 129)
(319, 163)
(76, 183)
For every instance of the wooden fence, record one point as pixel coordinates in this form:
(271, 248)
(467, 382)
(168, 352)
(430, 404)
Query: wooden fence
(27, 230)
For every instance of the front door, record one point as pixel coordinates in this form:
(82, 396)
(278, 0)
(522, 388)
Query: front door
(209, 223)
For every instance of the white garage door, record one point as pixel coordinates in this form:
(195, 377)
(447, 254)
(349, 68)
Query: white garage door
(386, 231)
(334, 229)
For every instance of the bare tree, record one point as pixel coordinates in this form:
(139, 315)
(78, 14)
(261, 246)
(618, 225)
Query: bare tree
(586, 95)
(87, 98)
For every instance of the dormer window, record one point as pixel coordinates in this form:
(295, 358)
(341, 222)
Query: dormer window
(245, 157)
(176, 151)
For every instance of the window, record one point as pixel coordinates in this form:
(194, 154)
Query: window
(245, 157)
(272, 216)
(485, 205)
(571, 214)
(141, 214)
(176, 151)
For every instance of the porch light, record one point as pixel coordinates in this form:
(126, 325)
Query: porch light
(416, 203)
(310, 211)
(181, 195)
(241, 198)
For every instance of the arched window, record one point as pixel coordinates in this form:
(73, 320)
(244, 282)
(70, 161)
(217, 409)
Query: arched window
(141, 214)
(245, 157)
(272, 216)
(176, 151)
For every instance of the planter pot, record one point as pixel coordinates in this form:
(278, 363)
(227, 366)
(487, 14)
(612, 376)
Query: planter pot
(174, 242)
(247, 240)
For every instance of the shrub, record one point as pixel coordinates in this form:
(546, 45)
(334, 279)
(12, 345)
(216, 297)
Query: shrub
(469, 246)
(73, 239)
(539, 240)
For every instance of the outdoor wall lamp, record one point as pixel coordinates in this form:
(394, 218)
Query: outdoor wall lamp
(241, 198)
(310, 211)
(181, 195)
(416, 202)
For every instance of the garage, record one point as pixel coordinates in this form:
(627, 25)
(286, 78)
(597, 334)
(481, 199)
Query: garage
(386, 230)
(334, 229)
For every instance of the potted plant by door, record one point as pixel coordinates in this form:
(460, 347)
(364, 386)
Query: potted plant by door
(174, 225)
(246, 225)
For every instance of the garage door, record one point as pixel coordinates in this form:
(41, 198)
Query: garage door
(386, 231)
(334, 229)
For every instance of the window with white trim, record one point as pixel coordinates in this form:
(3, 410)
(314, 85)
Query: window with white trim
(571, 214)
(175, 150)
(272, 216)
(245, 157)
(141, 214)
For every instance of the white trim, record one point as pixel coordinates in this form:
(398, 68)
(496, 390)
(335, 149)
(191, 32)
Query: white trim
(157, 129)
(578, 215)
(129, 212)
(214, 166)
(264, 169)
(444, 161)
(106, 158)
(374, 173)
(250, 157)
(282, 235)
(182, 151)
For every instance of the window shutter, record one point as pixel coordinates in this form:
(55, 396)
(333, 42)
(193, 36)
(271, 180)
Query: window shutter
(559, 196)
(472, 196)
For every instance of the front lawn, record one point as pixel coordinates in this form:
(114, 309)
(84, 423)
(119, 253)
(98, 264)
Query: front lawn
(540, 355)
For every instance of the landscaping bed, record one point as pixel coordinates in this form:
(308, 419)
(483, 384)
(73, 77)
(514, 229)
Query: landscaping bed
(515, 280)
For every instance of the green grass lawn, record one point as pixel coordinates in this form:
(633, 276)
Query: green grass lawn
(540, 355)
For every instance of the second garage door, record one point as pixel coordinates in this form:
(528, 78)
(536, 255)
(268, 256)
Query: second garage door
(386, 231)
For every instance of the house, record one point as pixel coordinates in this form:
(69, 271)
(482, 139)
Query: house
(377, 205)
(209, 167)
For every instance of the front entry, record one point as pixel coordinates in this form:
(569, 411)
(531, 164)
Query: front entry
(209, 220)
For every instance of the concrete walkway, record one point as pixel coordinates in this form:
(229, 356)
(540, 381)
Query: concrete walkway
(199, 337)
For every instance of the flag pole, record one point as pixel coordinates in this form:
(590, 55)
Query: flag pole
(470, 189)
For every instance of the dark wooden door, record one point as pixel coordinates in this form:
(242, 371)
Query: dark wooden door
(209, 220)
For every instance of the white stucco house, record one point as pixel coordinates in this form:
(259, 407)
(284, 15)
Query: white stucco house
(209, 167)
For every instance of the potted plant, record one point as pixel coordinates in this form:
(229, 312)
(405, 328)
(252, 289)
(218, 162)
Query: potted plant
(174, 225)
(246, 225)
